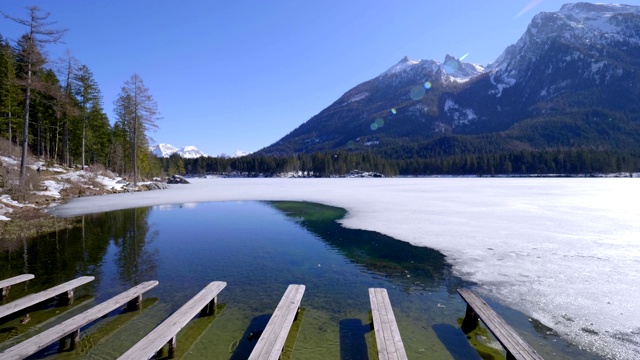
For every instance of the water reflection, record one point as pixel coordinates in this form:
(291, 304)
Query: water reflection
(136, 260)
(409, 267)
(258, 248)
(57, 257)
(64, 255)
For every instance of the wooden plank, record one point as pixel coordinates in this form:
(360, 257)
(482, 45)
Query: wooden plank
(271, 342)
(6, 283)
(33, 299)
(505, 334)
(388, 339)
(167, 330)
(72, 326)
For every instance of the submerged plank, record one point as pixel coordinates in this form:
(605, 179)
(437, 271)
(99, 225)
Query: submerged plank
(6, 283)
(33, 299)
(167, 330)
(505, 334)
(73, 325)
(274, 336)
(388, 340)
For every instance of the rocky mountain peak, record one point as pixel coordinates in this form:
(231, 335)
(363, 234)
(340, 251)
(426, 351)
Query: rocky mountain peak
(568, 63)
(404, 64)
(460, 71)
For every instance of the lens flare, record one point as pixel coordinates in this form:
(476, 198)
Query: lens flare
(532, 4)
(393, 111)
(417, 92)
(464, 56)
(377, 124)
(450, 67)
(427, 85)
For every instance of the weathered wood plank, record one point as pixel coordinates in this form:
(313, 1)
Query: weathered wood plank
(33, 299)
(5, 284)
(515, 346)
(388, 339)
(271, 342)
(70, 328)
(165, 333)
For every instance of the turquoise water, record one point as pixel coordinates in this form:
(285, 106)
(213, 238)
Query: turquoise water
(258, 248)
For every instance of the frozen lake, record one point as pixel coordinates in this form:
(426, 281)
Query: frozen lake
(564, 251)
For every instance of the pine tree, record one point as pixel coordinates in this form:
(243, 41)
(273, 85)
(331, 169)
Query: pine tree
(88, 94)
(9, 90)
(98, 135)
(137, 113)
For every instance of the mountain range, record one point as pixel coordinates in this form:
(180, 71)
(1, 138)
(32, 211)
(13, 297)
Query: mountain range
(166, 150)
(187, 152)
(571, 81)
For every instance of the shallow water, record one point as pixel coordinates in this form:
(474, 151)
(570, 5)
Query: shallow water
(258, 248)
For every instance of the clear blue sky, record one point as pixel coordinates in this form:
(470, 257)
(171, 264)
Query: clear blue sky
(238, 75)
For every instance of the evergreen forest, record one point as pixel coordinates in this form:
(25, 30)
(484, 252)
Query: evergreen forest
(53, 109)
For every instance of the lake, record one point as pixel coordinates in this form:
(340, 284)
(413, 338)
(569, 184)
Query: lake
(258, 248)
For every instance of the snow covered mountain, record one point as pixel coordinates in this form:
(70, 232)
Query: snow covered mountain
(163, 150)
(190, 152)
(166, 150)
(451, 70)
(571, 81)
(586, 30)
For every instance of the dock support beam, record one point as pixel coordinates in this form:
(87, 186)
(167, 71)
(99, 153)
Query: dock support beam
(5, 292)
(210, 308)
(172, 348)
(470, 321)
(135, 304)
(66, 298)
(73, 339)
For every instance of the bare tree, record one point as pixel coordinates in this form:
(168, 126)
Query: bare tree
(38, 35)
(137, 113)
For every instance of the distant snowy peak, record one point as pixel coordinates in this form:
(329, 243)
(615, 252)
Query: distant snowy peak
(163, 150)
(166, 150)
(452, 69)
(237, 154)
(190, 152)
(240, 153)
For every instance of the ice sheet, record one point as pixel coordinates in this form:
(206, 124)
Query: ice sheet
(565, 251)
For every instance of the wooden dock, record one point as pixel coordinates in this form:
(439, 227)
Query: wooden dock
(165, 333)
(70, 329)
(66, 290)
(478, 309)
(5, 284)
(388, 340)
(271, 342)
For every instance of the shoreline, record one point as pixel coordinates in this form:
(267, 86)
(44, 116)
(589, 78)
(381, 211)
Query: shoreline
(520, 240)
